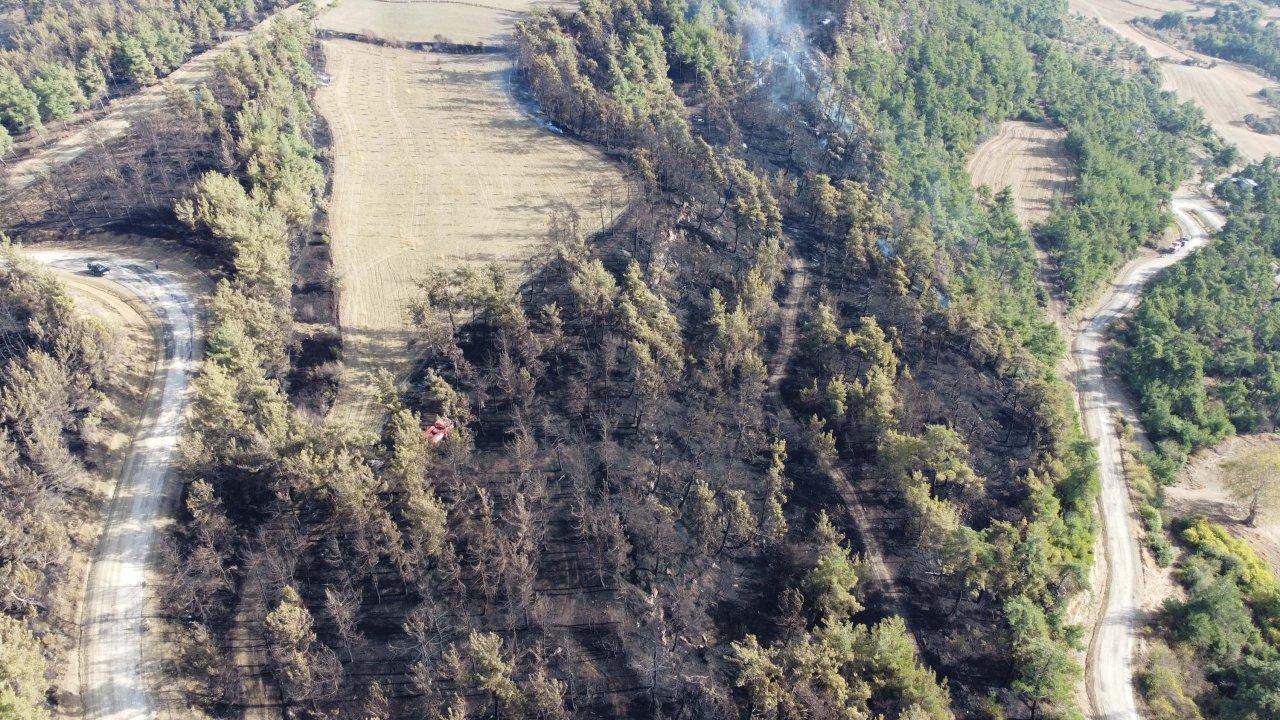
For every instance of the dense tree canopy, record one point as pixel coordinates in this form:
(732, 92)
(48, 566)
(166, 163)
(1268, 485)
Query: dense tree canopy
(66, 55)
(1202, 352)
(1226, 632)
(53, 368)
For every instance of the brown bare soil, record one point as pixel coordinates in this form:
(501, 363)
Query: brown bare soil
(1199, 491)
(1116, 16)
(1029, 159)
(1226, 92)
(434, 165)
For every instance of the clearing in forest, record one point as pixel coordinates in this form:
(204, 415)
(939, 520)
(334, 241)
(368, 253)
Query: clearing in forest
(1200, 491)
(1226, 91)
(434, 165)
(1028, 158)
(487, 22)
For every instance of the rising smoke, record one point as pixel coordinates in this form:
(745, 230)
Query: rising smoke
(789, 69)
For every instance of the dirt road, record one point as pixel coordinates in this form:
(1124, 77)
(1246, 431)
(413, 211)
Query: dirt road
(122, 111)
(112, 625)
(1110, 668)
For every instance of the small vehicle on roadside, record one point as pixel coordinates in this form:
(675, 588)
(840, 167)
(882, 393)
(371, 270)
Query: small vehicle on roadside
(98, 269)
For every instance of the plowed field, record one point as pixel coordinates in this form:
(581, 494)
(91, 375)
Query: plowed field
(1028, 159)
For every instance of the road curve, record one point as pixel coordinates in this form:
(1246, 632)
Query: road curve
(1110, 667)
(112, 627)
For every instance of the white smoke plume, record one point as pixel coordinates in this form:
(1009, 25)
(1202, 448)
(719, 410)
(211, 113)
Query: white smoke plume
(786, 62)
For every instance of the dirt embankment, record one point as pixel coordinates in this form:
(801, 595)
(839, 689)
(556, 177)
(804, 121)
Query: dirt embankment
(1226, 92)
(435, 165)
(1028, 158)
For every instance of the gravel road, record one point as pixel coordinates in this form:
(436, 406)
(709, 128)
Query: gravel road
(1110, 667)
(112, 624)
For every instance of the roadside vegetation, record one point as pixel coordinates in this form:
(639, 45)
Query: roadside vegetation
(232, 166)
(1201, 352)
(68, 55)
(1130, 143)
(1217, 653)
(54, 365)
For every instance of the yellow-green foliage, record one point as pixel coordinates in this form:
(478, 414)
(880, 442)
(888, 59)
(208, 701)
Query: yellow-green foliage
(22, 682)
(1169, 682)
(1255, 578)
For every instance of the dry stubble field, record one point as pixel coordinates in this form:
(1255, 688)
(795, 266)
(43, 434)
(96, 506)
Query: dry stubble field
(460, 21)
(434, 165)
(1226, 92)
(1029, 159)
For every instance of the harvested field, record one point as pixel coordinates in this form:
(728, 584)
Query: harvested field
(1226, 92)
(458, 21)
(434, 165)
(1029, 159)
(1199, 491)
(1116, 16)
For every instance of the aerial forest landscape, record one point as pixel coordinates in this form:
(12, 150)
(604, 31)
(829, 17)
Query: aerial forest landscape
(653, 359)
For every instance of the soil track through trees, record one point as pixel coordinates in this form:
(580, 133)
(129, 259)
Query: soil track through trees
(435, 166)
(122, 112)
(797, 288)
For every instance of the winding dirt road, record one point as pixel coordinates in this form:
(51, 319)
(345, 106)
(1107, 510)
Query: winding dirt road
(1110, 668)
(112, 628)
